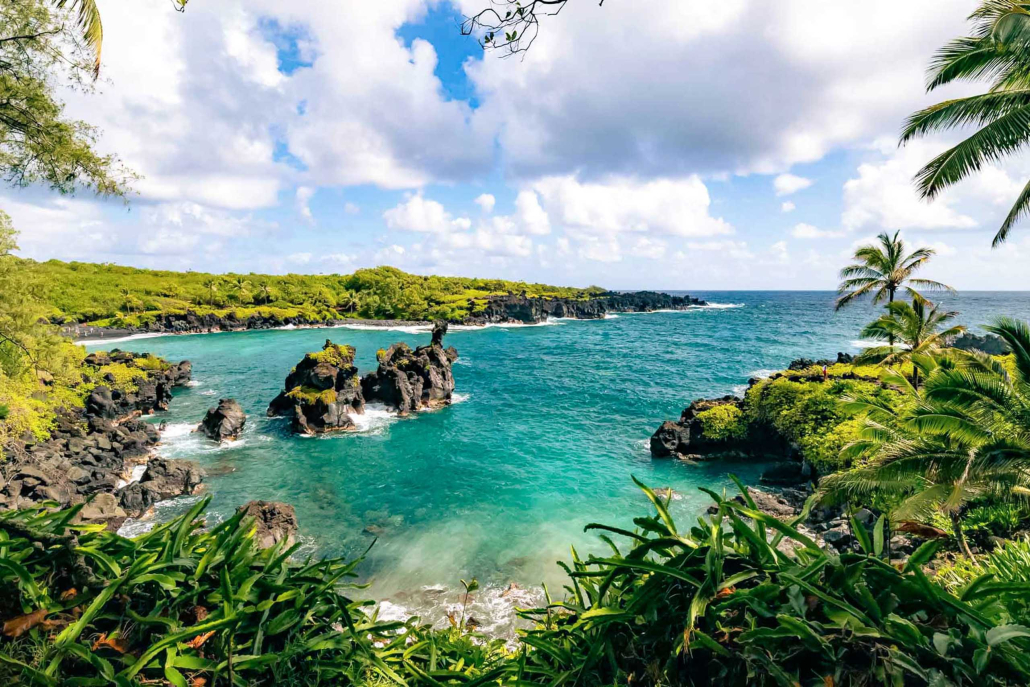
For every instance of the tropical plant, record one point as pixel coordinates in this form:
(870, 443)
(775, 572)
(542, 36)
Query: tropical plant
(44, 43)
(242, 287)
(211, 286)
(740, 598)
(883, 270)
(914, 329)
(265, 289)
(996, 51)
(964, 437)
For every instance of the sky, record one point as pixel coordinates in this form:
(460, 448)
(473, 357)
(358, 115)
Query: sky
(668, 144)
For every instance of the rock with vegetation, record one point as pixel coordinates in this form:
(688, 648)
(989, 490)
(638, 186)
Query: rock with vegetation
(527, 309)
(274, 522)
(707, 428)
(133, 382)
(225, 421)
(321, 392)
(412, 380)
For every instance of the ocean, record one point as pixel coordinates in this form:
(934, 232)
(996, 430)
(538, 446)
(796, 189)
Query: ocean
(550, 423)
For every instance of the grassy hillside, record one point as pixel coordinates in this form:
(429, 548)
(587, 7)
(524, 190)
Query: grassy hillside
(108, 294)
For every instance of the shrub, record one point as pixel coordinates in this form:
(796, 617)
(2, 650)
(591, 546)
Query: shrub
(123, 376)
(310, 395)
(723, 422)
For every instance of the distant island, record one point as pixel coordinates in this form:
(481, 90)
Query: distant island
(97, 300)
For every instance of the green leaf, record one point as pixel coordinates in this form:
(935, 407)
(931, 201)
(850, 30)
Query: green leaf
(1003, 633)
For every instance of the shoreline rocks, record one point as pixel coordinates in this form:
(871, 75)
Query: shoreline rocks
(497, 309)
(321, 392)
(91, 451)
(224, 422)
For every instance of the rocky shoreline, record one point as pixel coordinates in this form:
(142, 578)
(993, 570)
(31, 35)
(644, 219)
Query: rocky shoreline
(511, 308)
(103, 455)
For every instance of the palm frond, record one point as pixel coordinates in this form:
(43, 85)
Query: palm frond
(88, 20)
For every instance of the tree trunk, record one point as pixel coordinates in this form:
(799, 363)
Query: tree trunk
(956, 525)
(890, 299)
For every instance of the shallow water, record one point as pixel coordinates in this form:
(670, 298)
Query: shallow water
(552, 422)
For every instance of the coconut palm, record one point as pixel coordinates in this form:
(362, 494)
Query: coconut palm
(997, 51)
(883, 270)
(87, 18)
(964, 436)
(211, 285)
(910, 330)
(265, 289)
(242, 286)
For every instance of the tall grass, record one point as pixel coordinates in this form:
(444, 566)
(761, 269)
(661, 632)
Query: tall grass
(736, 598)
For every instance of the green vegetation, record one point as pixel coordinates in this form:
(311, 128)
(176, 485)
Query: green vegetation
(810, 414)
(111, 295)
(723, 423)
(996, 51)
(916, 329)
(339, 355)
(963, 438)
(720, 603)
(882, 270)
(307, 394)
(45, 45)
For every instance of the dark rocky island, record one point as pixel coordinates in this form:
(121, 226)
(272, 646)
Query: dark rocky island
(321, 392)
(324, 389)
(91, 451)
(408, 381)
(531, 310)
(224, 422)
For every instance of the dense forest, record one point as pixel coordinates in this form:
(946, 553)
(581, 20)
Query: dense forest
(113, 295)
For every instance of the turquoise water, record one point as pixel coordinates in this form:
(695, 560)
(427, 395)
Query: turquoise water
(552, 422)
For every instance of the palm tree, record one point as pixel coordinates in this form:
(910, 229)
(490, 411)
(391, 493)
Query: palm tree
(916, 327)
(212, 287)
(883, 270)
(964, 436)
(242, 286)
(998, 52)
(266, 292)
(87, 17)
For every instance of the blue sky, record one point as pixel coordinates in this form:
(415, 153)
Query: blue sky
(652, 144)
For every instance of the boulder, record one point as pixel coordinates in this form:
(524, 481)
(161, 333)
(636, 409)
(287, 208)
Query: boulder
(225, 421)
(165, 478)
(670, 439)
(321, 392)
(102, 507)
(274, 521)
(409, 381)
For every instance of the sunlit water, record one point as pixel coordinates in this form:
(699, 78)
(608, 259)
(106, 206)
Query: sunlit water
(551, 423)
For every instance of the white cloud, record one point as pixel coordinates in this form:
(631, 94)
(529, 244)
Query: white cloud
(417, 213)
(677, 207)
(486, 201)
(645, 247)
(304, 194)
(299, 258)
(883, 195)
(351, 208)
(786, 184)
(531, 217)
(788, 206)
(807, 231)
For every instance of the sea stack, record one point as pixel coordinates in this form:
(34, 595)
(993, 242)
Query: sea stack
(321, 392)
(408, 381)
(224, 422)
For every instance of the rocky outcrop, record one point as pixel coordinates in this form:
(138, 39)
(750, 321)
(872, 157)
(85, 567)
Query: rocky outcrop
(805, 363)
(991, 344)
(274, 522)
(91, 451)
(145, 395)
(321, 392)
(686, 438)
(408, 381)
(533, 309)
(224, 422)
(163, 479)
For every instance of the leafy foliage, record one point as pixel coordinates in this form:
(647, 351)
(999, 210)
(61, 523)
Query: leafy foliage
(99, 294)
(43, 45)
(881, 271)
(910, 330)
(996, 51)
(723, 422)
(726, 602)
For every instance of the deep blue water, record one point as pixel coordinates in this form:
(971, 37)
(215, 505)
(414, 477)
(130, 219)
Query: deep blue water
(552, 422)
